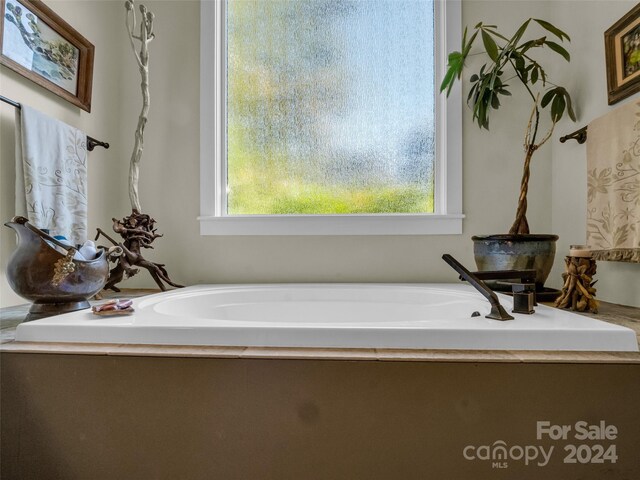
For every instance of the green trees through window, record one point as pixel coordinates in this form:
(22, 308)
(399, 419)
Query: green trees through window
(330, 106)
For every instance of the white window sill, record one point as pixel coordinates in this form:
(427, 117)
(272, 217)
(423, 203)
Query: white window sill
(397, 224)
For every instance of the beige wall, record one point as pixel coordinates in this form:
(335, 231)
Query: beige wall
(586, 78)
(170, 168)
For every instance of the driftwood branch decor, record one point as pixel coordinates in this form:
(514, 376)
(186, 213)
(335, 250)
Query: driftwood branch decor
(578, 292)
(138, 229)
(142, 58)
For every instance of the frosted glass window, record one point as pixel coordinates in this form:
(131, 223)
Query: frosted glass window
(330, 106)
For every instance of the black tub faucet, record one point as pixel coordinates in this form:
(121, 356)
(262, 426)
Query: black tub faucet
(497, 311)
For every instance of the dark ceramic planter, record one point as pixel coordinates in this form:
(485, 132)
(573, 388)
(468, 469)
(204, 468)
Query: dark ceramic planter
(516, 252)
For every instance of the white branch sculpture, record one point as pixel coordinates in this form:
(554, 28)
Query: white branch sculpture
(137, 230)
(142, 57)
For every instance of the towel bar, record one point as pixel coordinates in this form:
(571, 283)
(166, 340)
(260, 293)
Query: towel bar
(579, 135)
(91, 142)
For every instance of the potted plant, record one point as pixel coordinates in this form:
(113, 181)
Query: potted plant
(510, 61)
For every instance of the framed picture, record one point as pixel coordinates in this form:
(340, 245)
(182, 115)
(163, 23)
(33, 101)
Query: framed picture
(622, 52)
(38, 44)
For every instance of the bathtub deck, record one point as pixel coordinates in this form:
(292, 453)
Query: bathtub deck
(85, 410)
(611, 313)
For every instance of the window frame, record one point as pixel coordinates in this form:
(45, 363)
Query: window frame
(447, 218)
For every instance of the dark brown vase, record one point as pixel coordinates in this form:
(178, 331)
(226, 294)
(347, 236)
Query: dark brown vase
(32, 270)
(516, 252)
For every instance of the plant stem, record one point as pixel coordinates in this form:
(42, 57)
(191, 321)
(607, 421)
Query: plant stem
(520, 225)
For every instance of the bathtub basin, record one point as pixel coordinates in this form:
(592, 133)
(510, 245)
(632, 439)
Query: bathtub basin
(416, 316)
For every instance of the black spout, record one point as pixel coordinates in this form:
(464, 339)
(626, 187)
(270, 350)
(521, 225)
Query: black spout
(497, 311)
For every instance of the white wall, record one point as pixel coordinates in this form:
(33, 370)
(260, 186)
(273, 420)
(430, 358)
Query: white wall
(170, 167)
(585, 78)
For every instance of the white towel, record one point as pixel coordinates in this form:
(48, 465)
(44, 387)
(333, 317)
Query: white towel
(51, 174)
(613, 189)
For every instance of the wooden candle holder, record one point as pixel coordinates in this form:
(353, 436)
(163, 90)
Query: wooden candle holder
(578, 292)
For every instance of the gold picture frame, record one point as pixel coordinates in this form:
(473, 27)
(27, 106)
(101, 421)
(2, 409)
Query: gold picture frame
(39, 45)
(622, 54)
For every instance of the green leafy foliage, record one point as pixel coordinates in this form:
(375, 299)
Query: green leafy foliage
(490, 45)
(558, 49)
(556, 31)
(559, 99)
(510, 58)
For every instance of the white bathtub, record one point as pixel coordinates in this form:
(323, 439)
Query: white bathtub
(417, 316)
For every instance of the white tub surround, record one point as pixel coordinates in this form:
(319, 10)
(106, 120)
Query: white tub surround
(416, 316)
